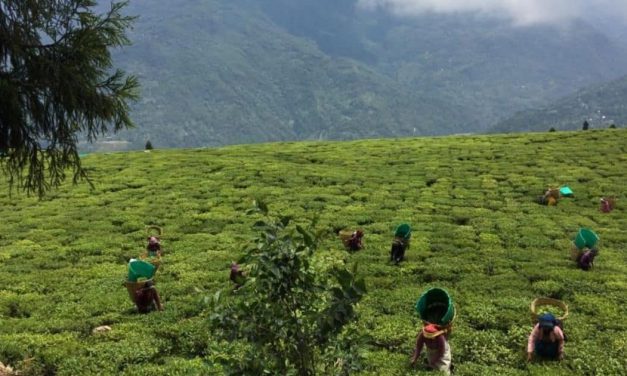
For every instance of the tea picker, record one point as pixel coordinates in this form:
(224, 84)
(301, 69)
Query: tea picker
(402, 236)
(550, 198)
(437, 312)
(608, 204)
(352, 240)
(585, 248)
(140, 286)
(153, 251)
(547, 336)
(237, 275)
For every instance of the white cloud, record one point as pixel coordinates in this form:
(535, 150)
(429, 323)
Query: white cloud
(520, 12)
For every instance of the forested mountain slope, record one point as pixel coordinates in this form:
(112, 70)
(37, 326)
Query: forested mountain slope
(221, 72)
(599, 105)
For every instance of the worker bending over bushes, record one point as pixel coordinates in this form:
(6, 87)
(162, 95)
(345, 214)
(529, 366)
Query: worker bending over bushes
(546, 339)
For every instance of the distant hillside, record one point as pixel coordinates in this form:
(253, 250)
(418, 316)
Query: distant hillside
(601, 105)
(217, 73)
(237, 71)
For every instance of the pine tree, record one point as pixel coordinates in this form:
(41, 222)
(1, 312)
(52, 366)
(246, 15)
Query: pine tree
(57, 85)
(585, 125)
(149, 145)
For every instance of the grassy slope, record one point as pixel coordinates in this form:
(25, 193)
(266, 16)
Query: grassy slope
(476, 233)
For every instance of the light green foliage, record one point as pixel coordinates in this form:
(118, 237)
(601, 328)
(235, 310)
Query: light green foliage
(476, 232)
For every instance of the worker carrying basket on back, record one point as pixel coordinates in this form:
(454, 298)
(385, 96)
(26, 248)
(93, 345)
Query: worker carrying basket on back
(437, 312)
(402, 235)
(141, 287)
(352, 240)
(585, 248)
(547, 337)
(550, 197)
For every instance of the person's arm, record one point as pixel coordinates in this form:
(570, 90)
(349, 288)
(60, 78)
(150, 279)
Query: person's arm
(419, 343)
(531, 343)
(157, 299)
(559, 334)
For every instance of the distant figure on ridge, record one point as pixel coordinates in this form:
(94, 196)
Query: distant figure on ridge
(438, 349)
(546, 339)
(147, 298)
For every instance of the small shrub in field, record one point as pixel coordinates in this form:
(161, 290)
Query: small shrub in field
(289, 315)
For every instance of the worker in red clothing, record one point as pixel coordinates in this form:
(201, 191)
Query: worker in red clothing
(438, 349)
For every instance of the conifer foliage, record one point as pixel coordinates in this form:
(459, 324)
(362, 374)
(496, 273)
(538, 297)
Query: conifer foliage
(57, 84)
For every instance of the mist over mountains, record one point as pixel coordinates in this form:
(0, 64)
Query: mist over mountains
(222, 72)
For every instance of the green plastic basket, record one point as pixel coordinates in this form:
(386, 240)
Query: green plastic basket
(566, 191)
(586, 238)
(140, 269)
(403, 231)
(436, 307)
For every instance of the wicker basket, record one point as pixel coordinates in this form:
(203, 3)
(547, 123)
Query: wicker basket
(345, 237)
(539, 302)
(158, 229)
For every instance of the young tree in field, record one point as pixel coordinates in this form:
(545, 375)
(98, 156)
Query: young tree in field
(586, 125)
(149, 145)
(289, 316)
(56, 84)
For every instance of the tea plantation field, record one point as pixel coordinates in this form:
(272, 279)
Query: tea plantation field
(476, 232)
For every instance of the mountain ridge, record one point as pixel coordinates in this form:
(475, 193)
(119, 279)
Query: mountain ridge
(217, 72)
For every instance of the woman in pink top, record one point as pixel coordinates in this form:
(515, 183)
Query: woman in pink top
(546, 339)
(438, 349)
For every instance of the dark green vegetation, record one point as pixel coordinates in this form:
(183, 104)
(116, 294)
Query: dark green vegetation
(57, 82)
(602, 105)
(290, 310)
(476, 232)
(237, 71)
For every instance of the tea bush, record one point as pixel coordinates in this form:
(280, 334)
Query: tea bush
(476, 232)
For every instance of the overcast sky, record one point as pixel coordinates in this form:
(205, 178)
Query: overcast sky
(520, 12)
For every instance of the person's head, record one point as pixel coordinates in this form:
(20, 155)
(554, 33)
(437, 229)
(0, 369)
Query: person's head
(153, 243)
(594, 252)
(359, 233)
(546, 321)
(149, 283)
